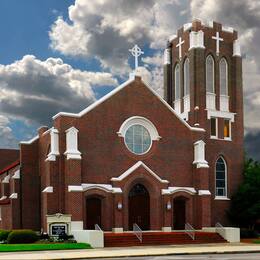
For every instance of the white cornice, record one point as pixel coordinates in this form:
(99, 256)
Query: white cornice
(30, 141)
(133, 168)
(89, 186)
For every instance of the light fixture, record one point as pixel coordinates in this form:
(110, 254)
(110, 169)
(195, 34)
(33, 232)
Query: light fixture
(119, 205)
(168, 205)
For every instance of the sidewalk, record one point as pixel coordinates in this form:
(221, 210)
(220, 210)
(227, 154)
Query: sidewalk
(135, 251)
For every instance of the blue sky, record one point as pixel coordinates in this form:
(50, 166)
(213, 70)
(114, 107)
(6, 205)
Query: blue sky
(62, 55)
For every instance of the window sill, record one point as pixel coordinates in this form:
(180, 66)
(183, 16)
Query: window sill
(219, 139)
(221, 198)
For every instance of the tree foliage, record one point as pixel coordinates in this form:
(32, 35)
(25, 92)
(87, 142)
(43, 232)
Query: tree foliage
(245, 204)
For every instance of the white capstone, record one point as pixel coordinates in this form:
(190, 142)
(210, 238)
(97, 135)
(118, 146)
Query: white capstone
(54, 133)
(236, 48)
(197, 40)
(16, 174)
(48, 189)
(167, 56)
(199, 155)
(13, 196)
(72, 151)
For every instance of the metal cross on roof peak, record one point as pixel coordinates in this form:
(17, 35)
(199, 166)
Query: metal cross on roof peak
(136, 52)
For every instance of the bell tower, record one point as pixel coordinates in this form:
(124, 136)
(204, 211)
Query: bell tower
(203, 78)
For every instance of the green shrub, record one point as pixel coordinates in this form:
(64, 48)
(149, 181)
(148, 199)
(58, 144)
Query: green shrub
(4, 234)
(247, 233)
(23, 236)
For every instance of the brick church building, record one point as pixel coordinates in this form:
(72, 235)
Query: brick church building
(134, 157)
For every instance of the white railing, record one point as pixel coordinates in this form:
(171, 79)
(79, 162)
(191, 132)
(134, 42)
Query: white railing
(190, 231)
(220, 229)
(97, 227)
(138, 232)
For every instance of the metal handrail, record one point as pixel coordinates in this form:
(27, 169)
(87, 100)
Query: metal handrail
(138, 232)
(220, 229)
(97, 227)
(190, 231)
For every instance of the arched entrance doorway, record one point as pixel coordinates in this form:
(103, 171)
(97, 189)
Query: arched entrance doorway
(93, 212)
(179, 213)
(139, 207)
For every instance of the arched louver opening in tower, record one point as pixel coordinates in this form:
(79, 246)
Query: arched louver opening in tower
(221, 178)
(223, 83)
(186, 76)
(177, 102)
(210, 83)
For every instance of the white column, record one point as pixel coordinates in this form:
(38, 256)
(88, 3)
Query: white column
(72, 151)
(199, 155)
(54, 133)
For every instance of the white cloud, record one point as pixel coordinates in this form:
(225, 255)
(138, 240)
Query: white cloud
(6, 135)
(34, 90)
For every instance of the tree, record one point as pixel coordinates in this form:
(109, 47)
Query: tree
(245, 204)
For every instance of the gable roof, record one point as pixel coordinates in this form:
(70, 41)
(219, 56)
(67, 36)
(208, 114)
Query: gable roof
(136, 166)
(116, 90)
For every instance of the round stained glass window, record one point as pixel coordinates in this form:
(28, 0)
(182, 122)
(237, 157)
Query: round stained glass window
(138, 139)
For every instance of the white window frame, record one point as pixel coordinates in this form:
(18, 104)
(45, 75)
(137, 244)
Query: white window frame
(225, 197)
(226, 69)
(214, 90)
(214, 136)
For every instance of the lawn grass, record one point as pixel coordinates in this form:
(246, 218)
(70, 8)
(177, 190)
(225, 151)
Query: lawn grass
(39, 247)
(256, 241)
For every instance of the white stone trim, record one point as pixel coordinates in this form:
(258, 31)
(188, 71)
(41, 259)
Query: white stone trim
(89, 186)
(6, 179)
(221, 198)
(48, 189)
(221, 114)
(172, 190)
(118, 230)
(72, 151)
(139, 120)
(3, 197)
(13, 196)
(31, 140)
(167, 56)
(204, 192)
(228, 29)
(236, 48)
(199, 155)
(116, 90)
(133, 168)
(172, 37)
(16, 175)
(197, 40)
(187, 26)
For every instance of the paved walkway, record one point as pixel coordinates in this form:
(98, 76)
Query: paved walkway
(134, 251)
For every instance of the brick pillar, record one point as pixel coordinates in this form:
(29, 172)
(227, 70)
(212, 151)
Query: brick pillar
(167, 212)
(118, 213)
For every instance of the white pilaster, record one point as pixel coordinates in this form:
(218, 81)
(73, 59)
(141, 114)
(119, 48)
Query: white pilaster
(199, 155)
(54, 133)
(72, 151)
(167, 56)
(236, 48)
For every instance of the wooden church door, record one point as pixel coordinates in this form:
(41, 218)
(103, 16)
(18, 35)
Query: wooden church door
(179, 213)
(93, 208)
(139, 207)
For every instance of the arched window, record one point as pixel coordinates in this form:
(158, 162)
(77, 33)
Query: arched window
(221, 178)
(210, 79)
(177, 82)
(186, 77)
(223, 77)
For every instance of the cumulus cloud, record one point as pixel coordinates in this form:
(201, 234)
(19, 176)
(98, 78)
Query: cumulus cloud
(106, 29)
(35, 90)
(6, 135)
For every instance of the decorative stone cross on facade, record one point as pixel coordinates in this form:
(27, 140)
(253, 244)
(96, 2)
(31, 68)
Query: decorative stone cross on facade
(179, 46)
(218, 40)
(136, 52)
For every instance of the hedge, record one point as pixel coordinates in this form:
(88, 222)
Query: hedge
(4, 234)
(23, 236)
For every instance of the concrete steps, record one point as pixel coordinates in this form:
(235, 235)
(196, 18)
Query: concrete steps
(160, 238)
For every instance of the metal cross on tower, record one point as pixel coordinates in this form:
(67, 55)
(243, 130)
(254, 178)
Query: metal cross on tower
(136, 52)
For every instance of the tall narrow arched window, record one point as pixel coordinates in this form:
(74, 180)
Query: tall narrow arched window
(177, 82)
(221, 178)
(186, 77)
(223, 77)
(210, 79)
